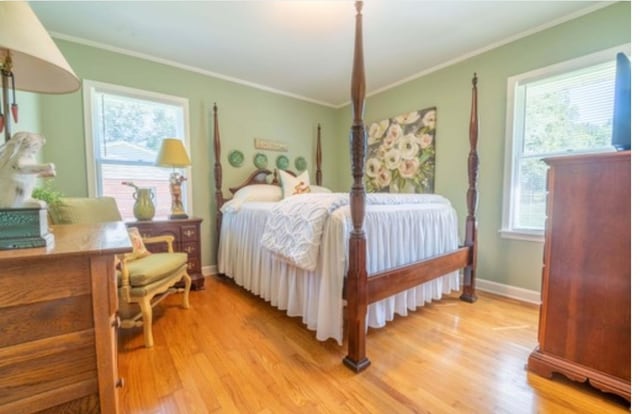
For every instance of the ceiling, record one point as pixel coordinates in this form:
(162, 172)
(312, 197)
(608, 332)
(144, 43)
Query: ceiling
(303, 48)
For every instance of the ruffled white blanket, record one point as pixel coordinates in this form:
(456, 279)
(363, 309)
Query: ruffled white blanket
(294, 229)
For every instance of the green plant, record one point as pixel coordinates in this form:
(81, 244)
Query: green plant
(48, 194)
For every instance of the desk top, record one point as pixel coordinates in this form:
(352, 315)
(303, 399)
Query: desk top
(79, 239)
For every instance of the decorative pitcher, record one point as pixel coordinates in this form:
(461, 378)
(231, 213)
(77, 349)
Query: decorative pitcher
(144, 208)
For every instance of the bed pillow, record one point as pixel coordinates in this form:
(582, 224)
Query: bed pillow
(294, 185)
(319, 189)
(253, 192)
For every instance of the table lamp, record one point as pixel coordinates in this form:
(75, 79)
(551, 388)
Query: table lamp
(173, 154)
(29, 60)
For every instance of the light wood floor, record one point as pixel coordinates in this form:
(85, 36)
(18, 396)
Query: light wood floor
(234, 353)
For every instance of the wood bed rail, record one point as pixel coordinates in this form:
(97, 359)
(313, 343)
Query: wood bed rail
(390, 282)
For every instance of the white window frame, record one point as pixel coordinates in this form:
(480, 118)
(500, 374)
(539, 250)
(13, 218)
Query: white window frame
(90, 88)
(513, 139)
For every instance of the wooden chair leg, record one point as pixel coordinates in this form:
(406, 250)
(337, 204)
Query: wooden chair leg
(147, 320)
(187, 288)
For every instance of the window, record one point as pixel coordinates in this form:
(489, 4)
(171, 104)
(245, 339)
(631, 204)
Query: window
(124, 131)
(562, 109)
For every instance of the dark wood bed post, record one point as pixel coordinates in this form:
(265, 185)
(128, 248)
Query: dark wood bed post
(217, 172)
(471, 227)
(318, 159)
(356, 358)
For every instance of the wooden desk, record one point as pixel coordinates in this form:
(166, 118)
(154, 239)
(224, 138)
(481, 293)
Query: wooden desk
(58, 343)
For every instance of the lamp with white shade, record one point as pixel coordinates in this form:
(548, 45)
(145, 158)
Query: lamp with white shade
(29, 60)
(174, 155)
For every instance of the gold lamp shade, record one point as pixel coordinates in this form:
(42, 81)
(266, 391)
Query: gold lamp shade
(173, 154)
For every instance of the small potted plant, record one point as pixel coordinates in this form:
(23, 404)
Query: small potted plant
(47, 193)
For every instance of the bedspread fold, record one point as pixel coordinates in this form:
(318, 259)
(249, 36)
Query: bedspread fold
(294, 229)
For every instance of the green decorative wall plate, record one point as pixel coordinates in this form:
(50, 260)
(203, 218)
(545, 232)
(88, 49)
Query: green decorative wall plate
(260, 160)
(282, 162)
(300, 163)
(236, 158)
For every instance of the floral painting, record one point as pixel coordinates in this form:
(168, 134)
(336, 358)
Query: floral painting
(401, 153)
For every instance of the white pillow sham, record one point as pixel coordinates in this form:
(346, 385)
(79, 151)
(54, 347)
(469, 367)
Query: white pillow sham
(253, 192)
(319, 189)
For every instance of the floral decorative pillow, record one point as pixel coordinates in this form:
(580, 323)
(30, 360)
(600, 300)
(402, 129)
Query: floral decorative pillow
(139, 249)
(294, 185)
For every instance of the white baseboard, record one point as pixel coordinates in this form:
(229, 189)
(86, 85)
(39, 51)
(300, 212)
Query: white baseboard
(209, 270)
(525, 295)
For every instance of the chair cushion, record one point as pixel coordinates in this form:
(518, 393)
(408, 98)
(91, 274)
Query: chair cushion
(153, 268)
(153, 288)
(84, 210)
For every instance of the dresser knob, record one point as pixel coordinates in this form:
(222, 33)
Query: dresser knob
(189, 249)
(120, 383)
(189, 233)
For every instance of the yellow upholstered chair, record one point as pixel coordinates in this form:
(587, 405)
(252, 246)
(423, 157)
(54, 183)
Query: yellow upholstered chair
(144, 278)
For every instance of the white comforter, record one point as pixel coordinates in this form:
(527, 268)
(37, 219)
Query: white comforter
(295, 227)
(396, 235)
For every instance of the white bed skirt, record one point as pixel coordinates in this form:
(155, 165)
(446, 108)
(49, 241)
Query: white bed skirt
(395, 236)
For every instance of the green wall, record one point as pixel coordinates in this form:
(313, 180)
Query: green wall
(29, 113)
(246, 113)
(511, 262)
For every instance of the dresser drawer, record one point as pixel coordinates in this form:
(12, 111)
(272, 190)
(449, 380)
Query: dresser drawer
(193, 265)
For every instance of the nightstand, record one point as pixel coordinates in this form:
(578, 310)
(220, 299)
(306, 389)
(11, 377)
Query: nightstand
(186, 233)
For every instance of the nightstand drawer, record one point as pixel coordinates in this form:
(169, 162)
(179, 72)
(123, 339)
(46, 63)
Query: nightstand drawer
(190, 233)
(192, 249)
(193, 265)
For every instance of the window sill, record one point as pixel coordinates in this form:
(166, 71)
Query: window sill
(532, 236)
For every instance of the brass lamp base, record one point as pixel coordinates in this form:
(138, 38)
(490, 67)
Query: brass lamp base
(177, 209)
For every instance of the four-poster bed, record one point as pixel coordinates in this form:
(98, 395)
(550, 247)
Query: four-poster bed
(316, 292)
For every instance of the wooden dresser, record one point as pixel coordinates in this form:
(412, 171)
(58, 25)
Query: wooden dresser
(186, 233)
(58, 319)
(585, 316)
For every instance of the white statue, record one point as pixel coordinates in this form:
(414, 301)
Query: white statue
(19, 168)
